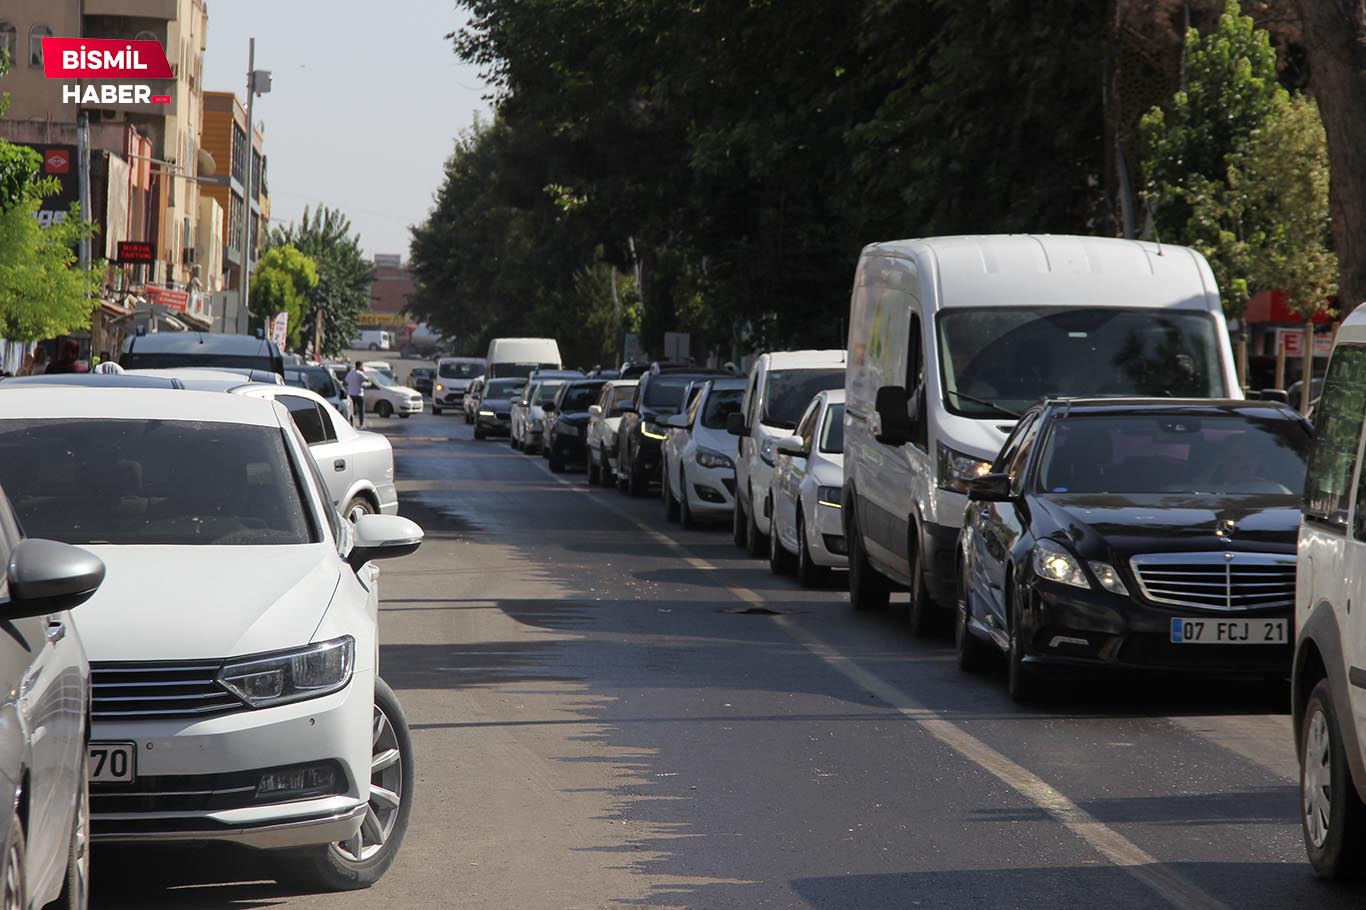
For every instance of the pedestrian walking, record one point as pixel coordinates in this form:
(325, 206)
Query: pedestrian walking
(355, 390)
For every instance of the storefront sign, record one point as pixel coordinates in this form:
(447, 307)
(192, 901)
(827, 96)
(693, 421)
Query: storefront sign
(175, 301)
(135, 251)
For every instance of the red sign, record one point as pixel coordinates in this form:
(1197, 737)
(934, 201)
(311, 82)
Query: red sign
(56, 161)
(176, 301)
(135, 251)
(104, 58)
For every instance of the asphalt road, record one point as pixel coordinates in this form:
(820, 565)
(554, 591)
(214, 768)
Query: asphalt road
(611, 712)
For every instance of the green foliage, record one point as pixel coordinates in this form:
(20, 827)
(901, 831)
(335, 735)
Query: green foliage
(42, 291)
(342, 289)
(283, 278)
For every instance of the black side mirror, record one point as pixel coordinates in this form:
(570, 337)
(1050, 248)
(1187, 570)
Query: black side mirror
(735, 424)
(1280, 395)
(893, 424)
(47, 577)
(990, 488)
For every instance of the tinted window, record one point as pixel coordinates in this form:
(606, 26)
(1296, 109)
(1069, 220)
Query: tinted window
(503, 388)
(790, 391)
(579, 397)
(99, 481)
(547, 392)
(832, 436)
(318, 380)
(1337, 430)
(309, 418)
(1163, 453)
(1015, 356)
(666, 392)
(722, 403)
(460, 370)
(621, 396)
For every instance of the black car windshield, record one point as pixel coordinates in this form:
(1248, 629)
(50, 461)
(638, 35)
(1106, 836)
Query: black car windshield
(1166, 453)
(460, 370)
(318, 380)
(721, 403)
(790, 391)
(665, 393)
(164, 482)
(832, 434)
(1015, 356)
(579, 396)
(502, 388)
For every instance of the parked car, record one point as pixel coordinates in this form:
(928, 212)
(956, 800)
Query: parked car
(952, 338)
(1328, 691)
(807, 526)
(470, 403)
(453, 378)
(251, 713)
(696, 460)
(159, 350)
(567, 423)
(528, 414)
(321, 381)
(422, 379)
(384, 397)
(43, 668)
(520, 357)
(660, 394)
(495, 407)
(383, 367)
(373, 339)
(1145, 534)
(603, 419)
(780, 386)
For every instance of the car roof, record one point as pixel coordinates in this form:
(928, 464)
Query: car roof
(1071, 407)
(206, 342)
(57, 402)
(200, 374)
(787, 360)
(125, 380)
(623, 383)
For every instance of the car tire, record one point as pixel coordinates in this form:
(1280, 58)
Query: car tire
(972, 651)
(779, 560)
(436, 412)
(592, 470)
(356, 507)
(809, 574)
(1021, 681)
(13, 883)
(755, 543)
(868, 589)
(384, 409)
(686, 520)
(636, 484)
(405, 415)
(362, 861)
(922, 613)
(556, 464)
(478, 432)
(670, 504)
(75, 894)
(1333, 822)
(737, 522)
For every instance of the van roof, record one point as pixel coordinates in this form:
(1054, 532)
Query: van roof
(788, 360)
(1355, 320)
(1044, 269)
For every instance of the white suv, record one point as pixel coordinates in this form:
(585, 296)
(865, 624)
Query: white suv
(1329, 676)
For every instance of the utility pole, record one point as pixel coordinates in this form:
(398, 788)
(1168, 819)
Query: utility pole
(83, 250)
(258, 83)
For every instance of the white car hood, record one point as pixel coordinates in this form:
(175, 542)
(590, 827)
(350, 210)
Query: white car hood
(193, 602)
(400, 390)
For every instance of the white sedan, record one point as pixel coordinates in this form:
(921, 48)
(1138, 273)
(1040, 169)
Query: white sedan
(604, 418)
(807, 494)
(697, 460)
(234, 643)
(385, 397)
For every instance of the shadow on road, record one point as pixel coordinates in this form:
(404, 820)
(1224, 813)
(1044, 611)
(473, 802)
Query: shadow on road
(207, 878)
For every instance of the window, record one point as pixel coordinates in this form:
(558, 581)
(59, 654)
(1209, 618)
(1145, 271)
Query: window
(309, 418)
(622, 396)
(1012, 444)
(806, 427)
(832, 437)
(9, 41)
(788, 392)
(1337, 432)
(35, 44)
(915, 381)
(721, 403)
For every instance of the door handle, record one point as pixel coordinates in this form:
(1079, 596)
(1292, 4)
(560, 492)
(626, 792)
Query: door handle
(339, 464)
(56, 631)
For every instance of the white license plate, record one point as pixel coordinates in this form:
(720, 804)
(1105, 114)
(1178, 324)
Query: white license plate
(112, 763)
(1229, 631)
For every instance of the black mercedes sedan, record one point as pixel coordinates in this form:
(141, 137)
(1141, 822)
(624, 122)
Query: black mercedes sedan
(566, 436)
(1138, 534)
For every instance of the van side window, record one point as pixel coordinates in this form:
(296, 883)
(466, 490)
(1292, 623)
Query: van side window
(1337, 433)
(915, 381)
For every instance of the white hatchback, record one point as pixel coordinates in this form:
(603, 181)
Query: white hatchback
(807, 494)
(696, 460)
(234, 645)
(604, 418)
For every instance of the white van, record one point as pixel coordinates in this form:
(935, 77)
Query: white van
(520, 356)
(1328, 694)
(781, 385)
(951, 338)
(374, 340)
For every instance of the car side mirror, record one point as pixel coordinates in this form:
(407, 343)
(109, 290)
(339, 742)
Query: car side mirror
(382, 537)
(595, 410)
(793, 446)
(735, 424)
(47, 577)
(990, 488)
(892, 423)
(1280, 395)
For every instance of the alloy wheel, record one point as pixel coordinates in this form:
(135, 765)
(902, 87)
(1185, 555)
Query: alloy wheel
(386, 793)
(1317, 786)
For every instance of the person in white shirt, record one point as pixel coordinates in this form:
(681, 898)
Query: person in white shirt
(355, 389)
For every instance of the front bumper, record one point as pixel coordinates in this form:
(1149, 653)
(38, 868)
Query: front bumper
(645, 460)
(825, 538)
(710, 490)
(408, 406)
(569, 448)
(193, 779)
(500, 425)
(450, 399)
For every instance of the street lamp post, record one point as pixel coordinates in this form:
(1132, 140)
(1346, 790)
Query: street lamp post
(258, 83)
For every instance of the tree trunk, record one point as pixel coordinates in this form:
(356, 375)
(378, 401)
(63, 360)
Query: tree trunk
(1335, 35)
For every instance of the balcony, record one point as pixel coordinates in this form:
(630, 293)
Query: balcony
(141, 9)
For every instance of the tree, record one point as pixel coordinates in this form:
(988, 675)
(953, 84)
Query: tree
(1335, 36)
(342, 289)
(282, 282)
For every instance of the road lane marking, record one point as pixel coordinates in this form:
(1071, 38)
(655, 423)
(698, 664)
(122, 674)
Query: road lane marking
(1109, 843)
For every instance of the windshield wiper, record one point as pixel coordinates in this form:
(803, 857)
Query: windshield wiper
(988, 404)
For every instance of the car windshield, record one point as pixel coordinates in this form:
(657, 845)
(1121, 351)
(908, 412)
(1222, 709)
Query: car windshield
(790, 391)
(721, 403)
(547, 392)
(460, 370)
(318, 381)
(832, 434)
(621, 397)
(1165, 453)
(382, 378)
(666, 392)
(503, 388)
(579, 397)
(163, 482)
(1007, 358)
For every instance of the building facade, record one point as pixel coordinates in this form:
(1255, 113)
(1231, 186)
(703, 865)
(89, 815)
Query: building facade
(225, 139)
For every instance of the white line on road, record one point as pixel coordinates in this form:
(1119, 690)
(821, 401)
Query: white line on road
(1109, 843)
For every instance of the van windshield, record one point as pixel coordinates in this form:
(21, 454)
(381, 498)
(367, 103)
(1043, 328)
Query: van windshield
(1010, 357)
(460, 370)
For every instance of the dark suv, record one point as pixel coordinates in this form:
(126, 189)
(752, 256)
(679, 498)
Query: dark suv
(659, 395)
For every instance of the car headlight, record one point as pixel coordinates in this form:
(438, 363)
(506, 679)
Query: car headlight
(652, 430)
(1109, 579)
(957, 471)
(709, 459)
(293, 675)
(766, 449)
(440, 387)
(1053, 563)
(830, 496)
(484, 413)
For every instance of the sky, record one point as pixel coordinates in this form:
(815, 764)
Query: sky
(366, 103)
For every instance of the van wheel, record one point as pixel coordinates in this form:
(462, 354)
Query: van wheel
(1332, 817)
(868, 590)
(373, 346)
(755, 542)
(436, 411)
(922, 613)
